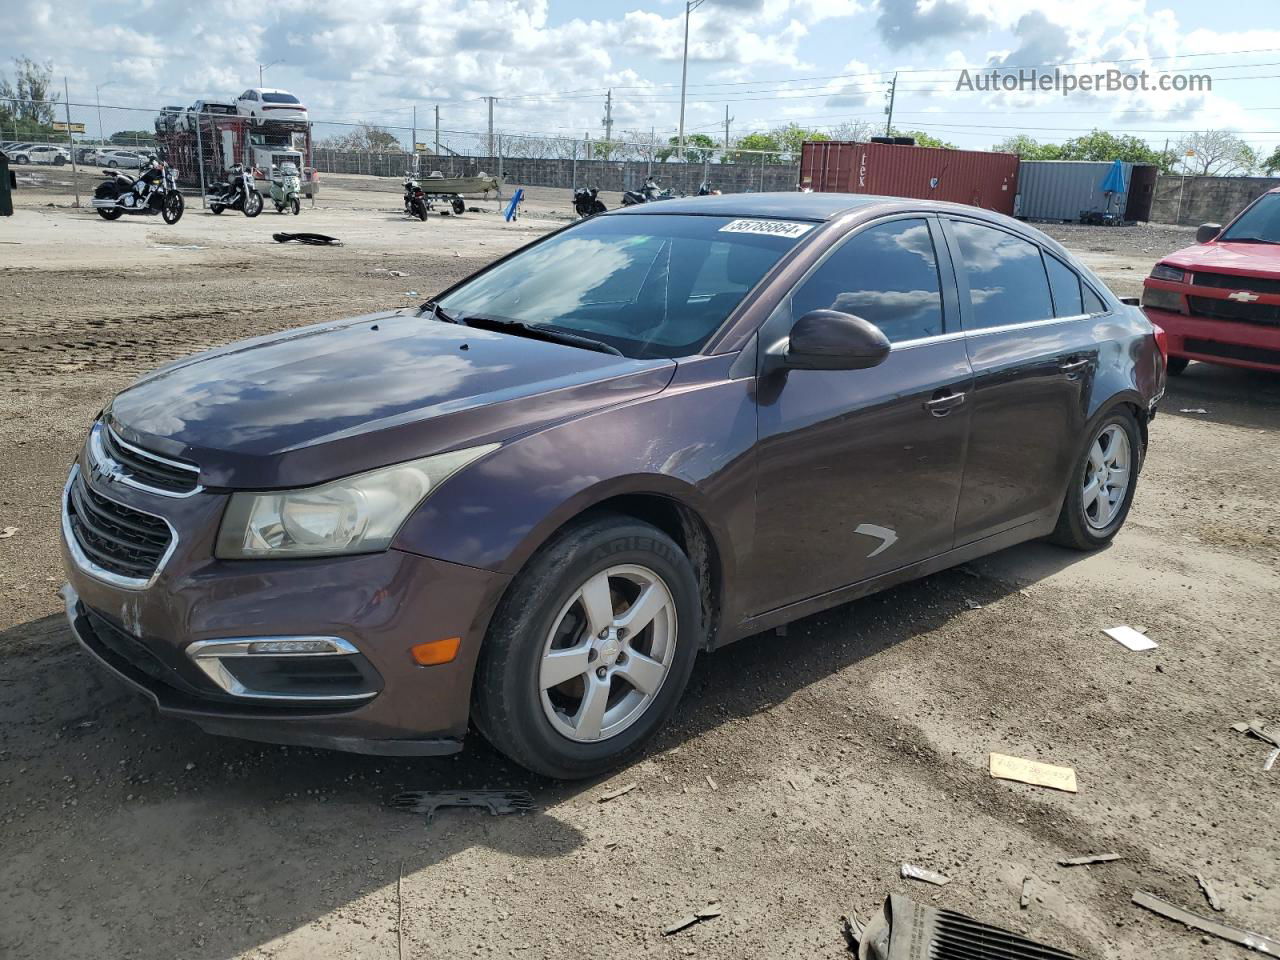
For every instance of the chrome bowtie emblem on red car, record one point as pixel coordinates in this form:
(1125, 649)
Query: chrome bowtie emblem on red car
(1244, 296)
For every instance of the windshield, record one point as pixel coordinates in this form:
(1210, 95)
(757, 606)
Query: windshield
(651, 285)
(1261, 222)
(279, 98)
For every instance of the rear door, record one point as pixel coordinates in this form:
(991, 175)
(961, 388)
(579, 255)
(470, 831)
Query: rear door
(1030, 342)
(859, 471)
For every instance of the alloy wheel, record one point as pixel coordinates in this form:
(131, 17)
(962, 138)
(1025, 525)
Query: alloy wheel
(1107, 475)
(608, 653)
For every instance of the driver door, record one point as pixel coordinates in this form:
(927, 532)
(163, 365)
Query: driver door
(859, 471)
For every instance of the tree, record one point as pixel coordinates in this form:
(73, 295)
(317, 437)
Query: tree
(27, 104)
(698, 148)
(924, 139)
(756, 141)
(366, 138)
(1101, 145)
(132, 137)
(793, 135)
(1217, 153)
(1272, 164)
(858, 130)
(1028, 148)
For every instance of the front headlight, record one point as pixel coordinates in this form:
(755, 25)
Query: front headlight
(1162, 271)
(358, 514)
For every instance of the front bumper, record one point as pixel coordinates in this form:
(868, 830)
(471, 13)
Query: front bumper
(381, 604)
(1234, 343)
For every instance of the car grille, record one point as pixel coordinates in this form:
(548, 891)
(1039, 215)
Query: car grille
(149, 469)
(1228, 281)
(1232, 351)
(117, 538)
(1265, 313)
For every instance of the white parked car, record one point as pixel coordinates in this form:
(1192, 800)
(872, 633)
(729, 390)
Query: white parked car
(262, 103)
(41, 153)
(119, 158)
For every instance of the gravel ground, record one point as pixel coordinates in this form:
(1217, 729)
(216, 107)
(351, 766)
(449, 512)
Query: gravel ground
(801, 771)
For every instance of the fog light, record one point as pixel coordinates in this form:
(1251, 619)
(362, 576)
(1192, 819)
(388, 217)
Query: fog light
(435, 652)
(285, 647)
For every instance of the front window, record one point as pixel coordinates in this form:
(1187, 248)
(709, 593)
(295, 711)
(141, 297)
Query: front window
(279, 98)
(1259, 224)
(650, 285)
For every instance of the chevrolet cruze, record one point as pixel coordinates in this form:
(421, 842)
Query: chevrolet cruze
(529, 503)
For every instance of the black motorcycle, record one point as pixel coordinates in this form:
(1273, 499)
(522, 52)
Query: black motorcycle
(586, 202)
(649, 193)
(238, 193)
(155, 190)
(415, 199)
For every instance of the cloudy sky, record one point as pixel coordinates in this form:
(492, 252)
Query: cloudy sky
(817, 62)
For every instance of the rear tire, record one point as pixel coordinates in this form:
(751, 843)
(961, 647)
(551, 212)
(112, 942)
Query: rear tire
(545, 612)
(459, 206)
(420, 209)
(108, 214)
(216, 208)
(1176, 365)
(1088, 522)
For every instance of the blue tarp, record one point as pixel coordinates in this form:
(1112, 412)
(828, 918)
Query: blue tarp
(1114, 181)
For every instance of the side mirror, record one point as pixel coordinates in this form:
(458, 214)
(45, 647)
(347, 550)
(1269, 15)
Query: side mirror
(1207, 231)
(831, 340)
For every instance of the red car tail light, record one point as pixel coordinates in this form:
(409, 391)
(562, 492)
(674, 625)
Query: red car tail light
(1162, 340)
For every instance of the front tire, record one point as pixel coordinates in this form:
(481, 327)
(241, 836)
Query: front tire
(173, 207)
(1102, 484)
(252, 203)
(590, 650)
(295, 206)
(1176, 365)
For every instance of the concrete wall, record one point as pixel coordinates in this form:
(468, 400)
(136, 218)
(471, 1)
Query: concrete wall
(1194, 200)
(609, 175)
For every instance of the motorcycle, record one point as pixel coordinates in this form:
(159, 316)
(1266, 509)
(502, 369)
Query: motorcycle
(706, 190)
(586, 202)
(415, 200)
(238, 193)
(649, 193)
(155, 190)
(286, 188)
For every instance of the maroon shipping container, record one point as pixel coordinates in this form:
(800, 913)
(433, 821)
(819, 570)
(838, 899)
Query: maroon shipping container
(975, 177)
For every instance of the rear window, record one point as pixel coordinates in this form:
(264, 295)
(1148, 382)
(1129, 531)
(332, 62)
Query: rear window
(650, 285)
(279, 98)
(1065, 284)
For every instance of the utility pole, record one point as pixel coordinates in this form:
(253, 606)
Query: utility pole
(490, 99)
(727, 119)
(689, 7)
(608, 117)
(893, 90)
(97, 95)
(437, 129)
(66, 100)
(264, 66)
(413, 146)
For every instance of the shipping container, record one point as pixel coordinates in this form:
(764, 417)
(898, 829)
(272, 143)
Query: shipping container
(975, 177)
(1065, 189)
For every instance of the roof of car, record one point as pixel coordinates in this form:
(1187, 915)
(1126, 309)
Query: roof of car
(790, 206)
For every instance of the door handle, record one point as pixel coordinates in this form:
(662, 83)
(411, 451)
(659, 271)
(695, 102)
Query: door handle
(1072, 368)
(943, 403)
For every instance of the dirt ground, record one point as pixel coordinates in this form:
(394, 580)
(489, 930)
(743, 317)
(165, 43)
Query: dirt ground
(801, 771)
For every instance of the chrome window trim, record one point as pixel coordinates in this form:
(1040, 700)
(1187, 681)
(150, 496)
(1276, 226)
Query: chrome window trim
(209, 654)
(87, 566)
(983, 331)
(99, 455)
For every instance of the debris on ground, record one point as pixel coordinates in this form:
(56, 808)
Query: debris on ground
(1256, 728)
(1193, 410)
(911, 872)
(1024, 901)
(1131, 638)
(8, 532)
(397, 273)
(1005, 767)
(709, 912)
(1270, 762)
(1091, 858)
(615, 794)
(311, 239)
(908, 929)
(1254, 941)
(854, 930)
(972, 604)
(1209, 893)
(711, 783)
(497, 802)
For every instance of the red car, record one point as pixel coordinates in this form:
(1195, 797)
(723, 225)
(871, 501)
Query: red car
(1219, 301)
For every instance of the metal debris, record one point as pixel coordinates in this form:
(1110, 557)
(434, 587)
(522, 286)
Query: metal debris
(615, 794)
(497, 802)
(1193, 410)
(709, 912)
(1256, 728)
(1254, 941)
(1209, 893)
(1038, 774)
(911, 872)
(1272, 757)
(905, 929)
(1091, 858)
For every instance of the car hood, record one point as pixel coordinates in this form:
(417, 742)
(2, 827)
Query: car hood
(312, 404)
(1256, 259)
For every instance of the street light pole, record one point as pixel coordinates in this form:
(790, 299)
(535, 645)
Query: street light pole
(689, 7)
(97, 96)
(264, 66)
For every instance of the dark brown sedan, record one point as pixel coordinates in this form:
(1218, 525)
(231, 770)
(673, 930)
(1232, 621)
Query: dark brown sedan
(532, 501)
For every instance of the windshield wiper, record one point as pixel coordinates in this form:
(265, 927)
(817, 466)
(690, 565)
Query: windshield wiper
(438, 313)
(1247, 240)
(541, 333)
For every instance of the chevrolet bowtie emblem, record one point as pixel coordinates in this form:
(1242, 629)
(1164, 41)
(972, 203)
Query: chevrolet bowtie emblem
(1244, 296)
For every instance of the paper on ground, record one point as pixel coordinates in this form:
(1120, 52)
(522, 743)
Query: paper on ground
(1130, 638)
(1032, 771)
